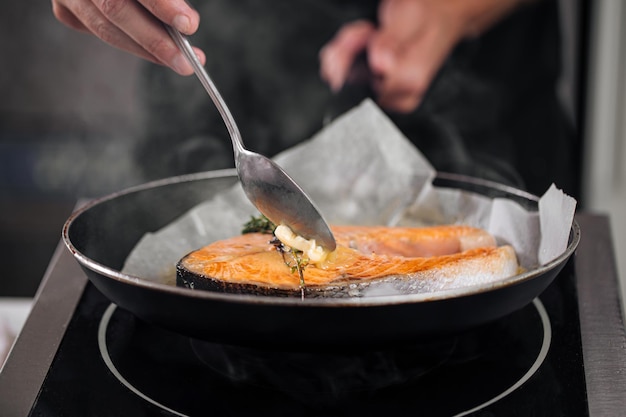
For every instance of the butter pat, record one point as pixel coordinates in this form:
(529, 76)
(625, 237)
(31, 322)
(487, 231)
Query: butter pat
(314, 252)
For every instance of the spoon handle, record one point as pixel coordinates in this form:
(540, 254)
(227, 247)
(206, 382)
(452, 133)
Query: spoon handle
(183, 44)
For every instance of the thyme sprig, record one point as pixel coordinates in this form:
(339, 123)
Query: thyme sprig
(297, 263)
(259, 224)
(293, 258)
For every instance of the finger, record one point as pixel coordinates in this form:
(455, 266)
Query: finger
(337, 56)
(65, 16)
(86, 17)
(176, 13)
(401, 23)
(407, 59)
(403, 88)
(402, 75)
(200, 54)
(402, 18)
(146, 32)
(399, 101)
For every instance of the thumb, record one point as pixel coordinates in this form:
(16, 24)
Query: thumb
(337, 56)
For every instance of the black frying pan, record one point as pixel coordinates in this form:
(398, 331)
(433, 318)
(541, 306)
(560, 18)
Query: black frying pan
(102, 234)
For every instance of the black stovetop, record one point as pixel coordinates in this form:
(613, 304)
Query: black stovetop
(81, 355)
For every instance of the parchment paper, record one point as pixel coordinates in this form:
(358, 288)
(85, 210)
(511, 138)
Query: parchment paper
(360, 169)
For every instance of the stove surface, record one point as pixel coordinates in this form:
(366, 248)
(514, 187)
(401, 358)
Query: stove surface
(108, 353)
(97, 359)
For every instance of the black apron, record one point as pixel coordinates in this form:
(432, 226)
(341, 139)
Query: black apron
(492, 111)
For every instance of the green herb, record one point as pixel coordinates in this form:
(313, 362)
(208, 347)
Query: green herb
(297, 263)
(260, 224)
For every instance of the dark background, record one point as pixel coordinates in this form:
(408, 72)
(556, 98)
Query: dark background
(69, 116)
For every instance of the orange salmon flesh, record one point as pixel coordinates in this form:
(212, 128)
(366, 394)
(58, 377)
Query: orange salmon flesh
(363, 253)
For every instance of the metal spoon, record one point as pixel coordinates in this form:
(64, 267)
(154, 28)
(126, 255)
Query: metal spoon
(265, 183)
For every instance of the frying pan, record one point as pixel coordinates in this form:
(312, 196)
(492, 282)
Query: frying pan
(101, 234)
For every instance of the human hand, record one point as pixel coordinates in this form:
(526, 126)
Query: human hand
(405, 51)
(135, 26)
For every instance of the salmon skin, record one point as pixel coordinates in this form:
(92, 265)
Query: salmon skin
(367, 261)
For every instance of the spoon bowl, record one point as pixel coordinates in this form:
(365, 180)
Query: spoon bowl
(270, 189)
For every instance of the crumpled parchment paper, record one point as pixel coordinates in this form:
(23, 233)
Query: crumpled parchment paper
(360, 169)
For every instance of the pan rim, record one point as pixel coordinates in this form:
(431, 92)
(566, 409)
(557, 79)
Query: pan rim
(354, 302)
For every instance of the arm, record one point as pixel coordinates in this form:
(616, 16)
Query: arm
(135, 26)
(408, 46)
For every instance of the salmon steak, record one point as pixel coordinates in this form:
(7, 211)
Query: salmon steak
(370, 260)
